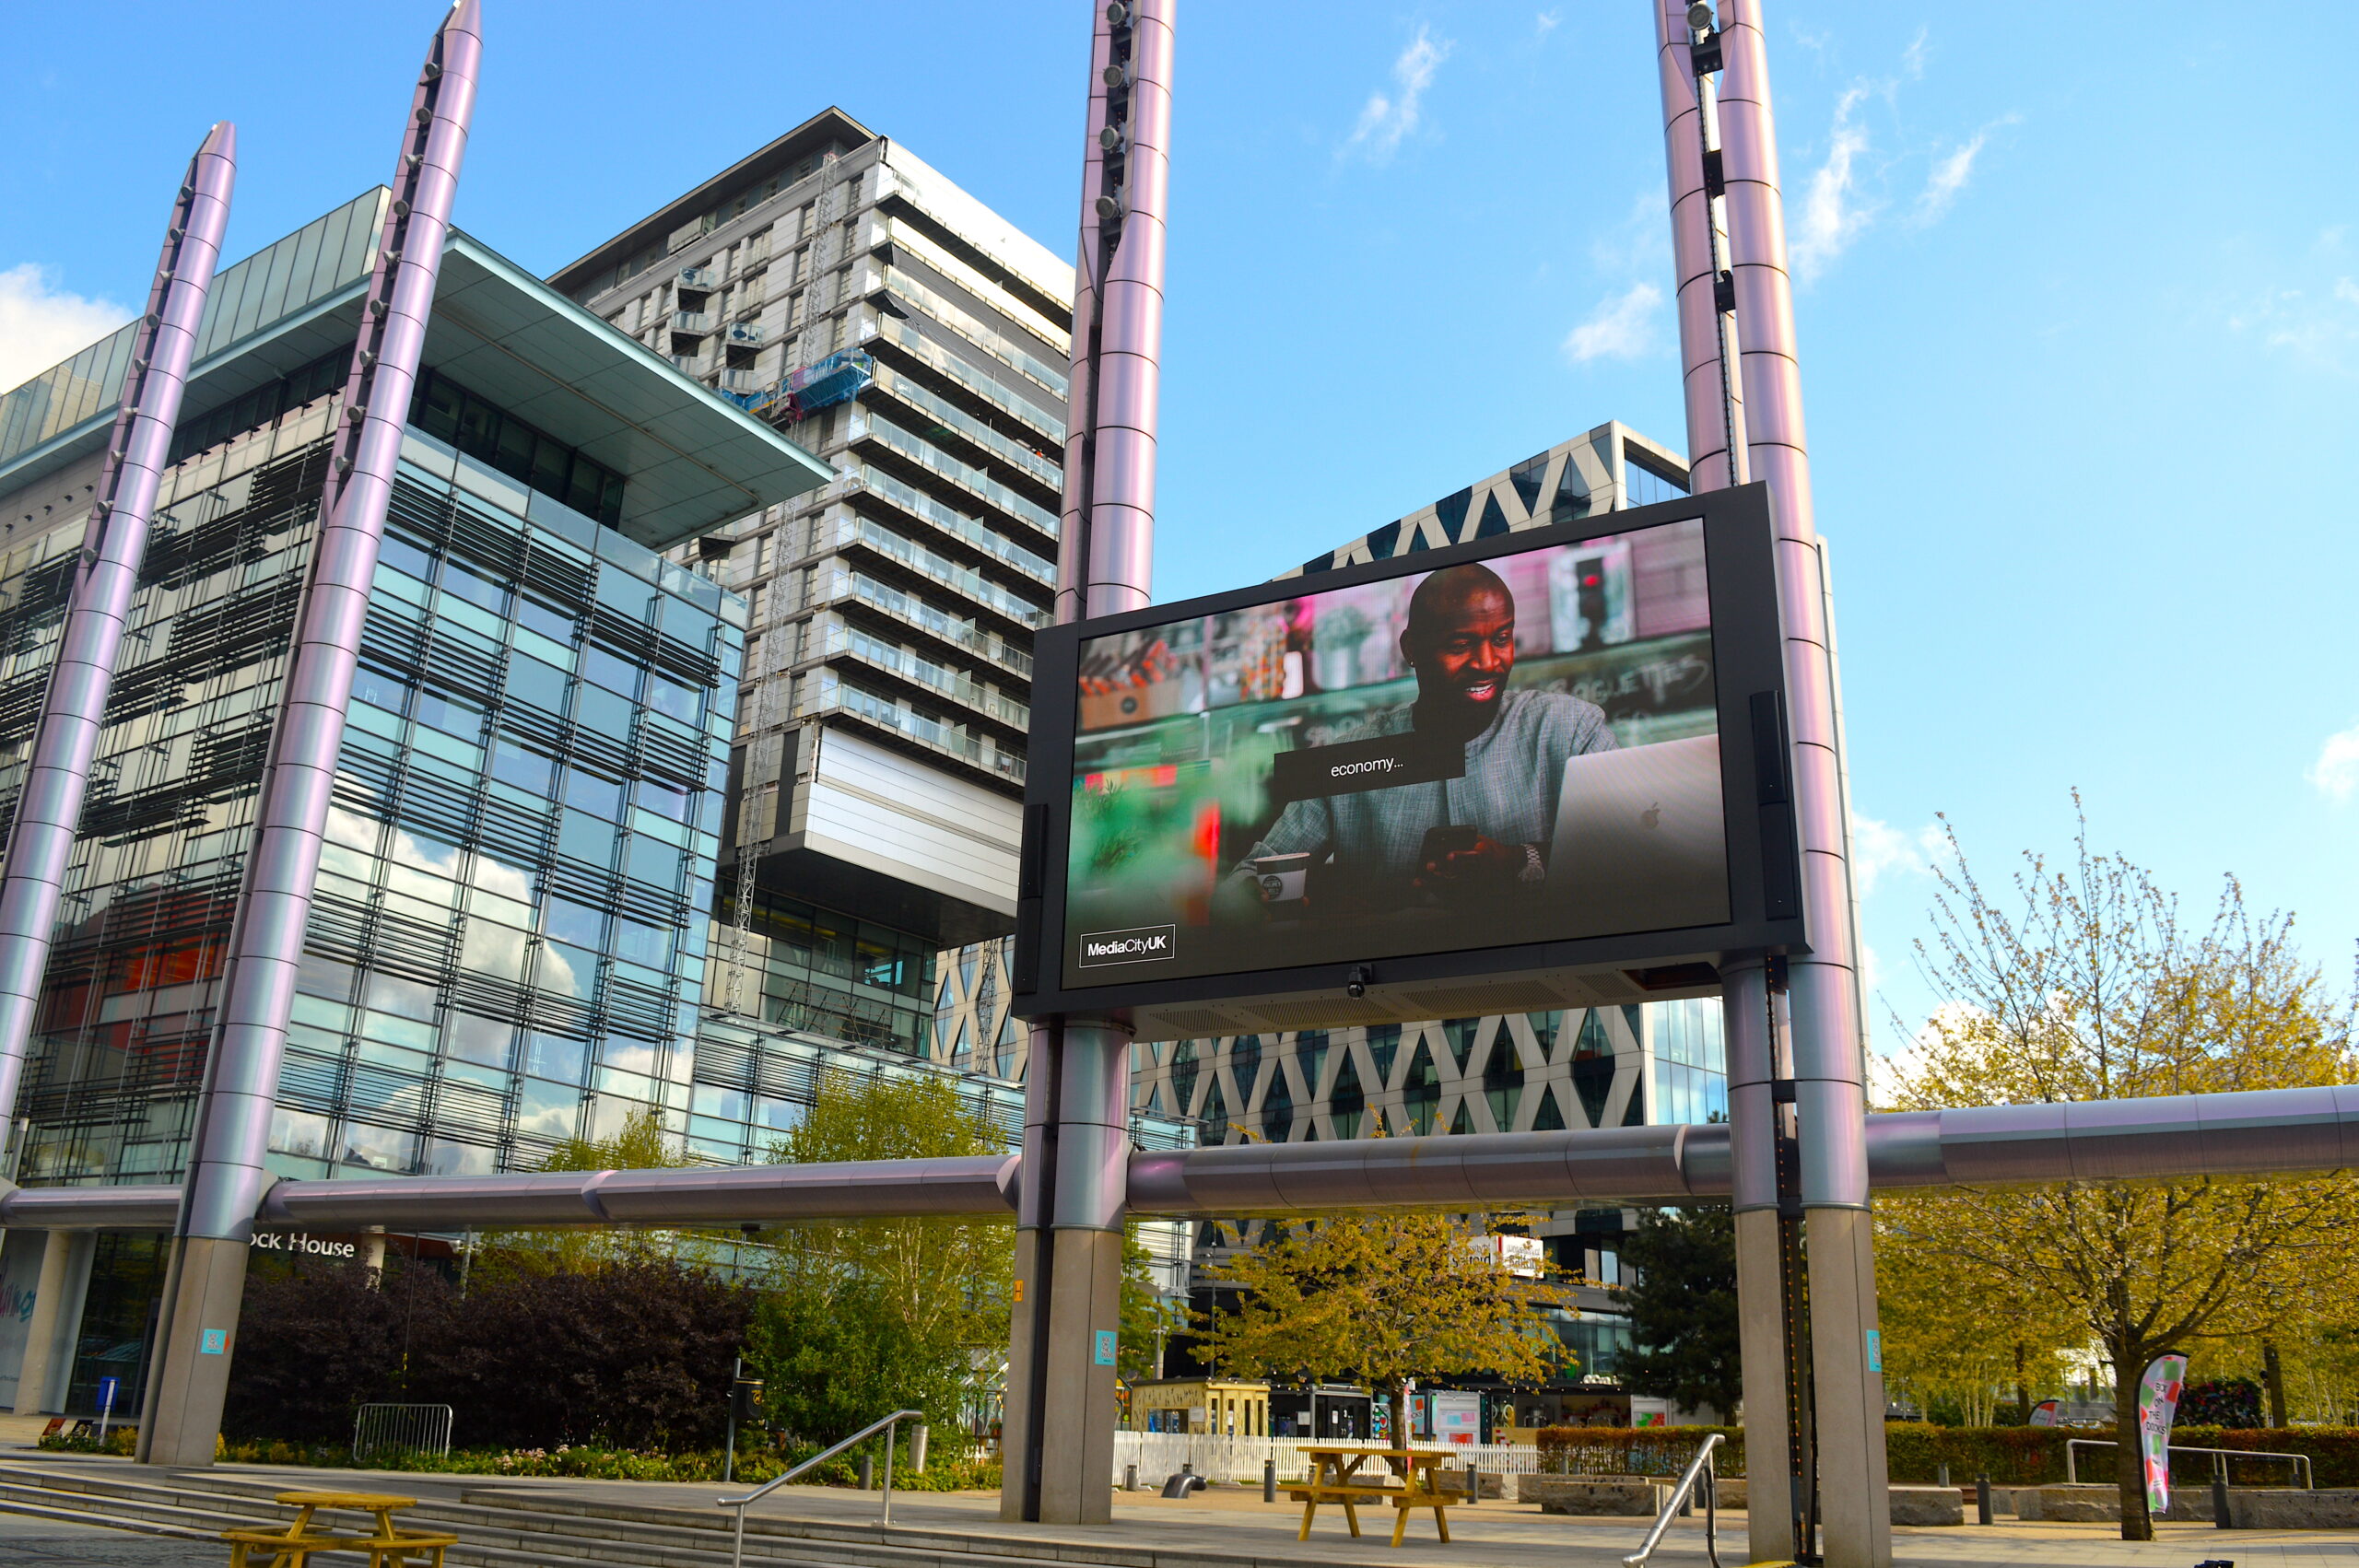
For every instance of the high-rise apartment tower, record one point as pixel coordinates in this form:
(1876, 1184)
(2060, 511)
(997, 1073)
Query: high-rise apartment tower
(836, 286)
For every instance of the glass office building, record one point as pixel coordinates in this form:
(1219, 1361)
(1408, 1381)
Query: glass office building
(508, 942)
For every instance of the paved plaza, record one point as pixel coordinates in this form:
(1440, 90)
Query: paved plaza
(1227, 1529)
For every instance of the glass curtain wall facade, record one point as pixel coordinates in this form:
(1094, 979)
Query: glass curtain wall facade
(501, 954)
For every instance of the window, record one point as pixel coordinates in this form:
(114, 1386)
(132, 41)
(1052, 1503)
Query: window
(1646, 486)
(449, 412)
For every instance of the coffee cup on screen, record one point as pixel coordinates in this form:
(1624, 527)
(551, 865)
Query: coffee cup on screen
(1281, 879)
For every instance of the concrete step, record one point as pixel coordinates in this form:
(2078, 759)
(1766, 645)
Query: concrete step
(148, 1517)
(202, 1506)
(33, 1510)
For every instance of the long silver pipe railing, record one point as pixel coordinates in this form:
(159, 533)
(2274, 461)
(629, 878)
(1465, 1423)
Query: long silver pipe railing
(917, 1457)
(2257, 1133)
(2073, 1469)
(1700, 1466)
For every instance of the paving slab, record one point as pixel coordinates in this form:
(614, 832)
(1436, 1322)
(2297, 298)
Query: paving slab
(1230, 1526)
(1234, 1524)
(37, 1543)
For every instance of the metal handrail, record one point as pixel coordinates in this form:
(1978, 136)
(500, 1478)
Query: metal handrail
(1700, 1465)
(2072, 1470)
(917, 1453)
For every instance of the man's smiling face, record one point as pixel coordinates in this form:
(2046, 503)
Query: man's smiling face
(1461, 640)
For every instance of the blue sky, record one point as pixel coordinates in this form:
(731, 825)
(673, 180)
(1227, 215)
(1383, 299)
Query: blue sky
(2079, 313)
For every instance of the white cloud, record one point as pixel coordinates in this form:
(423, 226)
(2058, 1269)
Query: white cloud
(1832, 213)
(1622, 327)
(1952, 170)
(1878, 848)
(2318, 327)
(1546, 23)
(1948, 177)
(1385, 119)
(1912, 59)
(40, 325)
(2336, 772)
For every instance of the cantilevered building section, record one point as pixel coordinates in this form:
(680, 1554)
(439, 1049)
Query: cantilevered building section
(840, 289)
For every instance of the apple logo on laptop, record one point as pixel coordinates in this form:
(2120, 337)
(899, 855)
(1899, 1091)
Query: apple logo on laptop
(1652, 816)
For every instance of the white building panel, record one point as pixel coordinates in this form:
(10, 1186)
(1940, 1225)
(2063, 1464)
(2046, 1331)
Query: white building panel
(893, 815)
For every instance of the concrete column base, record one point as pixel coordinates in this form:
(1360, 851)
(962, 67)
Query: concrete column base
(190, 1378)
(1021, 1408)
(42, 1332)
(1854, 1486)
(1066, 1446)
(1077, 1430)
(1761, 1340)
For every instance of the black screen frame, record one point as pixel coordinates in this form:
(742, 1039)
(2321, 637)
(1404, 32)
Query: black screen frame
(1748, 668)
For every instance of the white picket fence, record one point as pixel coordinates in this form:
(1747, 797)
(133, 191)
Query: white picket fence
(1159, 1455)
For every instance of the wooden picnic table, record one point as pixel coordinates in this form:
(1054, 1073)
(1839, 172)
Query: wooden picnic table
(293, 1547)
(1335, 1478)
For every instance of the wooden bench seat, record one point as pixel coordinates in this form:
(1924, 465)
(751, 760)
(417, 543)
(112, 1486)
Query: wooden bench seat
(278, 1549)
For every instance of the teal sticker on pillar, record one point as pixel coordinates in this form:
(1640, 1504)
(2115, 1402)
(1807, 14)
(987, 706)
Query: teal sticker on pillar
(216, 1343)
(1876, 1349)
(1105, 1347)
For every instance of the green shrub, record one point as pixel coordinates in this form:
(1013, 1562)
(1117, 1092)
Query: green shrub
(2011, 1456)
(593, 1462)
(118, 1440)
(1635, 1451)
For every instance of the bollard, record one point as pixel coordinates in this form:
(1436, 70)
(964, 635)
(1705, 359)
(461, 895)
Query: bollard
(917, 1449)
(1940, 1475)
(1473, 1486)
(868, 1473)
(1982, 1500)
(1269, 1481)
(1130, 1478)
(2220, 1504)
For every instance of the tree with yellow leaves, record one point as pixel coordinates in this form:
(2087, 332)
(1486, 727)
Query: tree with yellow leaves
(1386, 1298)
(2082, 983)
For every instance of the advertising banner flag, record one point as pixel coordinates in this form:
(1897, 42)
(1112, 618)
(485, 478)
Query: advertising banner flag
(2158, 1392)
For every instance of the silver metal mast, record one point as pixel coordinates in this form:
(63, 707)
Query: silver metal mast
(226, 1176)
(57, 777)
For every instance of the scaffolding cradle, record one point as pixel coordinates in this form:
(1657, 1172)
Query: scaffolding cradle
(839, 378)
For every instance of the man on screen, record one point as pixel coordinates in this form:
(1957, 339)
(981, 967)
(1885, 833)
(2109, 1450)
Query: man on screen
(1459, 639)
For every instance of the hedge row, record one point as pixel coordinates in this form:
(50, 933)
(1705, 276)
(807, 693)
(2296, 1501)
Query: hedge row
(2009, 1456)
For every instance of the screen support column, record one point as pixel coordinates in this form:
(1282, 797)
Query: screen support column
(1829, 1041)
(1767, 1295)
(1058, 1436)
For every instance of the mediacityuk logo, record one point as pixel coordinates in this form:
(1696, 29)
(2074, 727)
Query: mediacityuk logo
(1143, 944)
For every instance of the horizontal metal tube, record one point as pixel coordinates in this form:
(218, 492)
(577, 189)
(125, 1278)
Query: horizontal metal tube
(2267, 1132)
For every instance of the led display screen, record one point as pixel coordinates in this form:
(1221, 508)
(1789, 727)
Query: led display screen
(1458, 752)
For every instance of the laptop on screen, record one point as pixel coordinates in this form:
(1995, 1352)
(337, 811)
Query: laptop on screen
(1640, 842)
